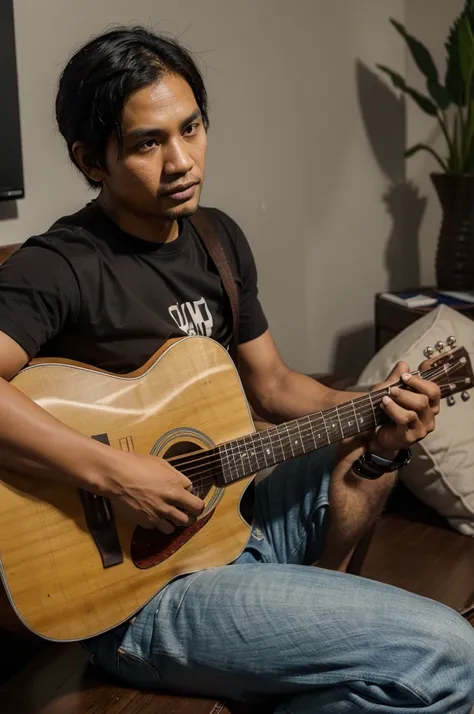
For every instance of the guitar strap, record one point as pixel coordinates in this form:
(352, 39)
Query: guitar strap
(208, 234)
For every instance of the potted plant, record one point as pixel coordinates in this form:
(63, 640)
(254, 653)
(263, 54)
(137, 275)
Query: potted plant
(451, 103)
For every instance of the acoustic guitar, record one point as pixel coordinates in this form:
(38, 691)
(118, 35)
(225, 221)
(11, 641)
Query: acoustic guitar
(70, 567)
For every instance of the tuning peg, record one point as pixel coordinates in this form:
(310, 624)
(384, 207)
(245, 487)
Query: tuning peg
(451, 401)
(428, 352)
(451, 342)
(465, 396)
(440, 346)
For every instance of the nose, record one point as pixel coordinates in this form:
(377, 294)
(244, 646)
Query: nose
(177, 159)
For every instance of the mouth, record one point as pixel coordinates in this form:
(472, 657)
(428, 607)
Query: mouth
(182, 193)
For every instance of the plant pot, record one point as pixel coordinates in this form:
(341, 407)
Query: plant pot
(455, 252)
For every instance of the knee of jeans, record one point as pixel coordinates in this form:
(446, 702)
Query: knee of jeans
(454, 642)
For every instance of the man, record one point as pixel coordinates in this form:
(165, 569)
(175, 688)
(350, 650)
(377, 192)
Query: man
(107, 286)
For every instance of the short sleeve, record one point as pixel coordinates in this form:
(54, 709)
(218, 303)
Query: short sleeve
(38, 296)
(252, 320)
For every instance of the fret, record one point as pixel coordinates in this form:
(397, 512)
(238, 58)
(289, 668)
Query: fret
(282, 448)
(260, 462)
(222, 455)
(355, 416)
(233, 461)
(312, 434)
(373, 410)
(340, 423)
(325, 426)
(263, 455)
(361, 419)
(252, 453)
(290, 440)
(317, 436)
(229, 469)
(297, 422)
(346, 419)
(268, 453)
(336, 433)
(241, 453)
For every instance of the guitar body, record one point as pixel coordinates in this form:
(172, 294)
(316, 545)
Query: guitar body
(189, 396)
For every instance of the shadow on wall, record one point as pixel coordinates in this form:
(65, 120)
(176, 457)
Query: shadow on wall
(353, 350)
(8, 210)
(385, 123)
(384, 118)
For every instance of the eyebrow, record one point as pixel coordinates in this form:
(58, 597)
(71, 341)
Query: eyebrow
(145, 132)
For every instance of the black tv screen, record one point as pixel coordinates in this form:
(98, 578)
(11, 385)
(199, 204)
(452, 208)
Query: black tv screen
(11, 165)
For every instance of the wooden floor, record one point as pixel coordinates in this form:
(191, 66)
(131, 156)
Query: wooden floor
(75, 688)
(418, 551)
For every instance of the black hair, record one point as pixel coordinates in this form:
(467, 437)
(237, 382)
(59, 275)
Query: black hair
(103, 73)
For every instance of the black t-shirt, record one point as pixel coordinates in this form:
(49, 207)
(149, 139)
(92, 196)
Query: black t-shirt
(88, 291)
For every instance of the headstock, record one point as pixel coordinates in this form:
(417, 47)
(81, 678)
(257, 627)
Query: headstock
(451, 370)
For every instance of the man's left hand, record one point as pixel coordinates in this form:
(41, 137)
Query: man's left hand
(412, 414)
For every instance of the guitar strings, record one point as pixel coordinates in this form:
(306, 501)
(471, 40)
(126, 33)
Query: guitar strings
(314, 421)
(215, 453)
(214, 457)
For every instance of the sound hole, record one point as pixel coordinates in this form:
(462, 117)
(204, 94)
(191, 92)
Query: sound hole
(193, 468)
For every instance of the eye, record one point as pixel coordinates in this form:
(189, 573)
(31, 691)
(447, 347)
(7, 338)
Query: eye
(191, 130)
(147, 145)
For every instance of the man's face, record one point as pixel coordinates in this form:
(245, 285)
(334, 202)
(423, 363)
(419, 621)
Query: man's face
(164, 149)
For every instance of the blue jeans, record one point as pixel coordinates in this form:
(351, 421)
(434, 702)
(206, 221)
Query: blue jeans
(267, 625)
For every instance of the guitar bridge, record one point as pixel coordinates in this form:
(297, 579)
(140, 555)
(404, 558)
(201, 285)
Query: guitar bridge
(100, 522)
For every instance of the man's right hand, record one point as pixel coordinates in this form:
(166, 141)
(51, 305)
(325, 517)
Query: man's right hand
(143, 488)
(151, 493)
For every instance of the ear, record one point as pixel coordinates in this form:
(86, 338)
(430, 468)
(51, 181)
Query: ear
(87, 164)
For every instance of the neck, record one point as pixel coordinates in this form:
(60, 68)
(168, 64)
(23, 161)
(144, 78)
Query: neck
(148, 227)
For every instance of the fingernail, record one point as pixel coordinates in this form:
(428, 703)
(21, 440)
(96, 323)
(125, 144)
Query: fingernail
(386, 400)
(406, 376)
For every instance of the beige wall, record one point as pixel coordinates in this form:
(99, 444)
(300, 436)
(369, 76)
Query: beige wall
(305, 144)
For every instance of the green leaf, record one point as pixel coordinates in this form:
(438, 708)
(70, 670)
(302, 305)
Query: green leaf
(396, 78)
(422, 101)
(466, 49)
(468, 167)
(454, 158)
(414, 150)
(439, 94)
(424, 147)
(467, 137)
(454, 80)
(420, 54)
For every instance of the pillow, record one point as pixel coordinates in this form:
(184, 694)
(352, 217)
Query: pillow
(441, 472)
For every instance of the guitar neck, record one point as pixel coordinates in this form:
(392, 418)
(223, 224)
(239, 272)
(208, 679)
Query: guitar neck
(249, 454)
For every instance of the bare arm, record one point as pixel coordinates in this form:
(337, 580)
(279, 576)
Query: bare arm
(276, 392)
(35, 443)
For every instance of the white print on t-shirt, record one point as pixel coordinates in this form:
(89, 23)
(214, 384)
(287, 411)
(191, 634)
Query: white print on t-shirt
(193, 318)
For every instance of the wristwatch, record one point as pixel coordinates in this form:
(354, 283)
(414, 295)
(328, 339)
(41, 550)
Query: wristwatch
(371, 466)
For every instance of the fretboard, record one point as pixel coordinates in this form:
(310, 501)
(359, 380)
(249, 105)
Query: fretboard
(249, 454)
